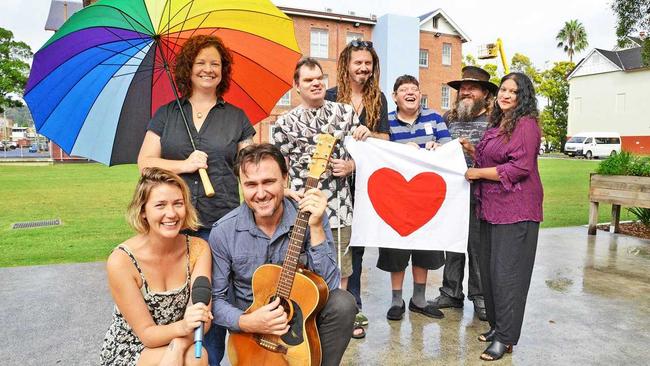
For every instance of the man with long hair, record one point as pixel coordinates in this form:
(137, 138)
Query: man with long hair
(296, 135)
(468, 118)
(357, 81)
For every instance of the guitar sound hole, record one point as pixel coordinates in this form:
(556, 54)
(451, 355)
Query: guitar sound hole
(295, 334)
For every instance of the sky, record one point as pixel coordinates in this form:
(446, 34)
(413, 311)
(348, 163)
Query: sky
(527, 27)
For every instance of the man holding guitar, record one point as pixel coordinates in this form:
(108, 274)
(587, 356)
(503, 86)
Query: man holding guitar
(260, 232)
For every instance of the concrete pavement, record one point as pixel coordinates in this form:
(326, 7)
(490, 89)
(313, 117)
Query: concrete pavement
(589, 304)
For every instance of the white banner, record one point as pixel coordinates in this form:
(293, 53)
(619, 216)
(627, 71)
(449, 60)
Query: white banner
(409, 199)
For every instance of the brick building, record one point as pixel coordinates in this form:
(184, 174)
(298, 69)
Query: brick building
(323, 34)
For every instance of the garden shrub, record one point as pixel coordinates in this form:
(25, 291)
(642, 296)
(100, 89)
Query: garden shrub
(628, 164)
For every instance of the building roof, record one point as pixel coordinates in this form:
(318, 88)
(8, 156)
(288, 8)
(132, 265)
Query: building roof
(60, 11)
(621, 60)
(637, 41)
(351, 18)
(629, 59)
(441, 13)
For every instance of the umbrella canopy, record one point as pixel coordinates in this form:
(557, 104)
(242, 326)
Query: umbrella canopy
(95, 84)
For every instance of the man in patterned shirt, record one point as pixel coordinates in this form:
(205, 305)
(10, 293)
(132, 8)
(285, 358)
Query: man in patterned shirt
(468, 118)
(296, 134)
(422, 128)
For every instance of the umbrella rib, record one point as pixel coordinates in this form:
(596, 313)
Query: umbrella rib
(250, 96)
(125, 15)
(240, 10)
(252, 34)
(64, 96)
(112, 53)
(191, 3)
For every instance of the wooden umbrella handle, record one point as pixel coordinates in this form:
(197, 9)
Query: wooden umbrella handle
(207, 186)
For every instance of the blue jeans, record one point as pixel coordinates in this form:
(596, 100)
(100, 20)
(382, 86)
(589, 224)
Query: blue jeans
(214, 340)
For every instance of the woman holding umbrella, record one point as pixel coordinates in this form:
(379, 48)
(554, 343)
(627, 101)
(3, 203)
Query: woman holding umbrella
(215, 131)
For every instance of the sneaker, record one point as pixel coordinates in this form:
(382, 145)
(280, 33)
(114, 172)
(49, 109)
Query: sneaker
(429, 310)
(444, 301)
(396, 312)
(361, 319)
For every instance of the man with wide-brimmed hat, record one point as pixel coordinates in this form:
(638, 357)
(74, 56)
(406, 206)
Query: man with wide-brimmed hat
(468, 118)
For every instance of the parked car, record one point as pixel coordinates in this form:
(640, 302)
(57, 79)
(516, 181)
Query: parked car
(33, 149)
(593, 144)
(8, 145)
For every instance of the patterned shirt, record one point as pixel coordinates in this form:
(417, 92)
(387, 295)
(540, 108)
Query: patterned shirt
(295, 135)
(473, 130)
(429, 126)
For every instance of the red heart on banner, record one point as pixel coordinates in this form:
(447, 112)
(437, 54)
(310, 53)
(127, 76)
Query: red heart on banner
(406, 206)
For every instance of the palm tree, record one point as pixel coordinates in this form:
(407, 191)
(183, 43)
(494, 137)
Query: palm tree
(573, 38)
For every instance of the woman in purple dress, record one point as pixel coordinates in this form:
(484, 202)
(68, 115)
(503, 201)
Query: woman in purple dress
(510, 208)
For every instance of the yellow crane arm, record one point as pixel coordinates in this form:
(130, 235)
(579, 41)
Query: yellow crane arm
(502, 53)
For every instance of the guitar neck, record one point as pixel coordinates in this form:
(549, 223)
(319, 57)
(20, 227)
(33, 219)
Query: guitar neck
(296, 241)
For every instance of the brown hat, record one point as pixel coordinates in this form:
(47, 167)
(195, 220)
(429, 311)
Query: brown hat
(477, 75)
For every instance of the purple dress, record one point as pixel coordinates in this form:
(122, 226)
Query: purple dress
(518, 194)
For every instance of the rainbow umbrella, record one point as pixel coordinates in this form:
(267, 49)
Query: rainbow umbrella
(96, 83)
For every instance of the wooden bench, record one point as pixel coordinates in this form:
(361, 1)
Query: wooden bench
(617, 190)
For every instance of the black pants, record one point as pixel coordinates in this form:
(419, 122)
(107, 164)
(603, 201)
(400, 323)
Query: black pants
(506, 260)
(335, 324)
(354, 281)
(452, 276)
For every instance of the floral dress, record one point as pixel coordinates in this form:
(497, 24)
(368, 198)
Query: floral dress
(121, 345)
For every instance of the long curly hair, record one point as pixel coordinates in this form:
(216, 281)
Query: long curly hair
(526, 104)
(371, 91)
(185, 62)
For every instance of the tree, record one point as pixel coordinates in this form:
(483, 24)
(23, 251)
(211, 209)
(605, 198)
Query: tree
(555, 87)
(521, 63)
(633, 16)
(13, 69)
(573, 38)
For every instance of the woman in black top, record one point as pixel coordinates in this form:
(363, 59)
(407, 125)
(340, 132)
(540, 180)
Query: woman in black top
(219, 130)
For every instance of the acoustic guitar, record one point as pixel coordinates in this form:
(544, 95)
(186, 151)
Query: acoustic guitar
(302, 295)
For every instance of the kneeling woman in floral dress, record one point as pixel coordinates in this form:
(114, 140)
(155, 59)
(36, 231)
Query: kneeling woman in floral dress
(150, 275)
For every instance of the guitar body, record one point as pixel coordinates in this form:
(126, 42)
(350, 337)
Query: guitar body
(301, 345)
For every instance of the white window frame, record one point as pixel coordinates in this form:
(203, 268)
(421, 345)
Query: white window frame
(445, 97)
(285, 100)
(446, 56)
(319, 43)
(423, 61)
(351, 36)
(424, 101)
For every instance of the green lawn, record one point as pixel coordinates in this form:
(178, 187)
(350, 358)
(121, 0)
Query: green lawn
(91, 199)
(566, 192)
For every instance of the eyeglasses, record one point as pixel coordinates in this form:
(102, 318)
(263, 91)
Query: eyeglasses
(359, 43)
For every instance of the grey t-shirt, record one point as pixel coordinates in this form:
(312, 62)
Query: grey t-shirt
(472, 130)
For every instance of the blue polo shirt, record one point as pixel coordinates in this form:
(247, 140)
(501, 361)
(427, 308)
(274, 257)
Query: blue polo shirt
(429, 126)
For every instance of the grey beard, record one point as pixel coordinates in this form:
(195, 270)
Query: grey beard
(469, 111)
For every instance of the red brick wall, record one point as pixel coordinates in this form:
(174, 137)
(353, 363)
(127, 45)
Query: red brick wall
(433, 77)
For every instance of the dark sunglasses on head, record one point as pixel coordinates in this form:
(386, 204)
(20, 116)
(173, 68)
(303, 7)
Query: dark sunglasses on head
(359, 43)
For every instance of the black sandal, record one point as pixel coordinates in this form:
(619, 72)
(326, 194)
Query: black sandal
(495, 351)
(487, 336)
(359, 335)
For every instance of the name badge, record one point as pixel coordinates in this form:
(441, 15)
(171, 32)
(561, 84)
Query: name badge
(428, 128)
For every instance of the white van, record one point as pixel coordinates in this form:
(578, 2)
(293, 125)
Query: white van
(593, 144)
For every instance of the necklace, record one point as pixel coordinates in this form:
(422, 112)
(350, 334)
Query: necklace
(357, 108)
(201, 114)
